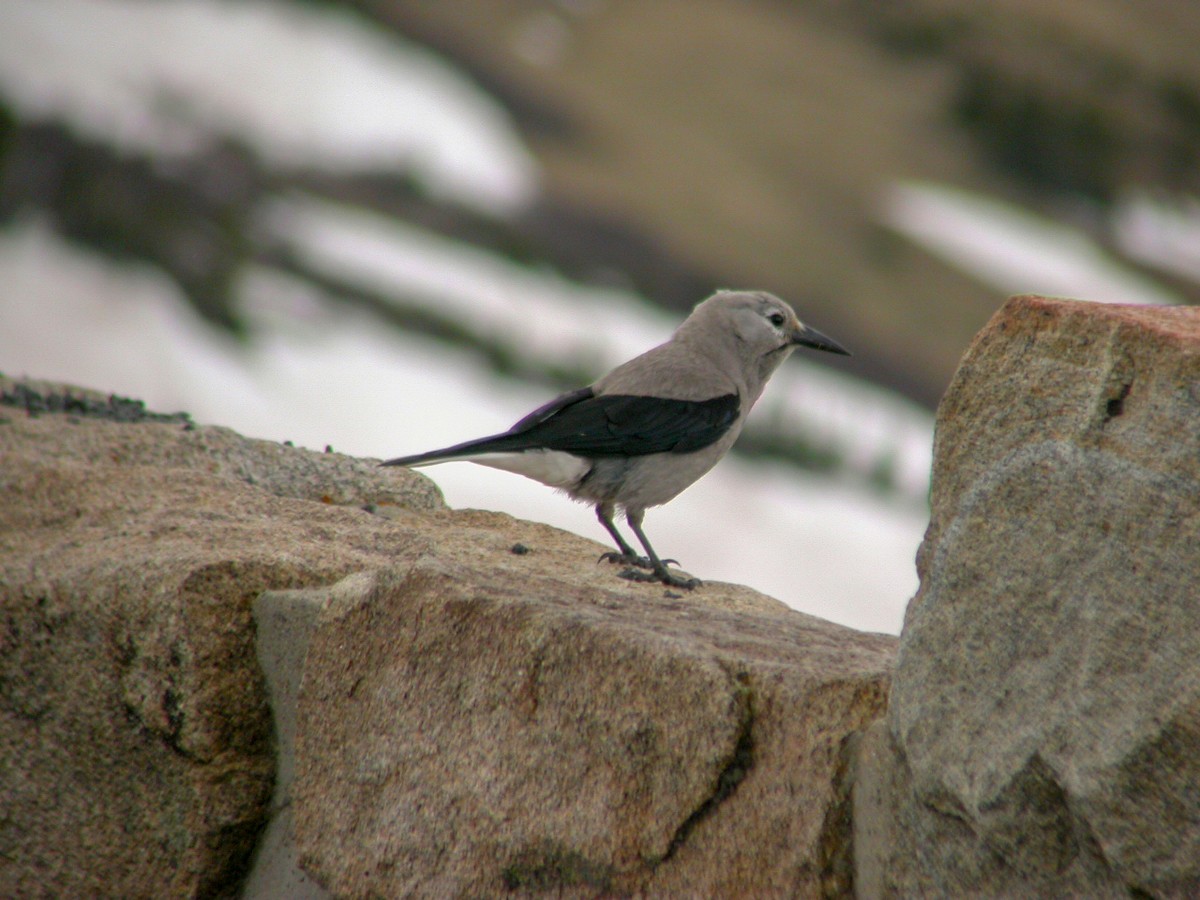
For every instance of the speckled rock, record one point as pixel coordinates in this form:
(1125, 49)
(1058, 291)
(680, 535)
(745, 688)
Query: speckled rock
(515, 730)
(135, 734)
(1043, 734)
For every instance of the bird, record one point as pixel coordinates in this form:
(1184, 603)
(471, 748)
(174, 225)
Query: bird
(638, 436)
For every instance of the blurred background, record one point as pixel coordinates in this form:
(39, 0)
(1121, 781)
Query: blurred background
(389, 225)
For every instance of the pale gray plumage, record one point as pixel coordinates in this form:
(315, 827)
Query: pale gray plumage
(649, 428)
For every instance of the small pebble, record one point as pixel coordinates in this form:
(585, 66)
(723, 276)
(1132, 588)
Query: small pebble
(518, 549)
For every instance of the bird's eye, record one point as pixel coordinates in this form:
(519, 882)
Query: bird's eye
(776, 319)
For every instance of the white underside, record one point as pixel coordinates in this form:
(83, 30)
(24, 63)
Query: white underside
(551, 467)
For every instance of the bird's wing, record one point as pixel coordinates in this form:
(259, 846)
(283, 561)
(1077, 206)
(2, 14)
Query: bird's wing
(556, 405)
(609, 425)
(628, 425)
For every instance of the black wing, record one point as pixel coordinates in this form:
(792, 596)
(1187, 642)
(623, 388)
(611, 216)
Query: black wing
(626, 425)
(610, 425)
(542, 413)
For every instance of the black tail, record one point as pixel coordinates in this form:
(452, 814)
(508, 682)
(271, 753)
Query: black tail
(515, 439)
(496, 443)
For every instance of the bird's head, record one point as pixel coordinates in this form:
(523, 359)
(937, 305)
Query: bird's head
(753, 331)
(760, 328)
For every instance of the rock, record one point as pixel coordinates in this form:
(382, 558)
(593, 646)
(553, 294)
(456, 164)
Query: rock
(470, 731)
(135, 736)
(278, 469)
(1043, 733)
(283, 624)
(469, 718)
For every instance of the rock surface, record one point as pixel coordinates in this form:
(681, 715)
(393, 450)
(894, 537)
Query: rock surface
(1043, 733)
(470, 718)
(135, 735)
(470, 731)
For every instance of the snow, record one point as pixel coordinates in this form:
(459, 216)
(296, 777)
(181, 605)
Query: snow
(1011, 249)
(548, 316)
(301, 85)
(1160, 232)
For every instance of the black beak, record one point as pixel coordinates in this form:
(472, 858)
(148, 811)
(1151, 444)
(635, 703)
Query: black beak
(810, 337)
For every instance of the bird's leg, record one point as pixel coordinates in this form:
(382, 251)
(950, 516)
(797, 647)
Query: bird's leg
(659, 571)
(628, 556)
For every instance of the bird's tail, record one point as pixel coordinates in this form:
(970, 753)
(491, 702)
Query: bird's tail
(497, 443)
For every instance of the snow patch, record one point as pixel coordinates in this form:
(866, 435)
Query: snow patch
(301, 85)
(1012, 250)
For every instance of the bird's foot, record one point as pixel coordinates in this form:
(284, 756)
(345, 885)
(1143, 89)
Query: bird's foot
(632, 559)
(625, 559)
(668, 578)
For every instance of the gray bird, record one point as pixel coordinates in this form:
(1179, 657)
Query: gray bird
(649, 428)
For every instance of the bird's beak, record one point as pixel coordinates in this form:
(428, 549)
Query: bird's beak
(807, 336)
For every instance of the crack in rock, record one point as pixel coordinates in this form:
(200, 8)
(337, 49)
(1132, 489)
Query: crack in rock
(733, 773)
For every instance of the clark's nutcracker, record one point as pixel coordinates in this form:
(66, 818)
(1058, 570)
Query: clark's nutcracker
(652, 426)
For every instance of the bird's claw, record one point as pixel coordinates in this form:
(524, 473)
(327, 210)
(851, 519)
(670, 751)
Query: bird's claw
(661, 575)
(625, 559)
(632, 559)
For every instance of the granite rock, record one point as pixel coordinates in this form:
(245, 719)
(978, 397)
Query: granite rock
(1043, 733)
(470, 732)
